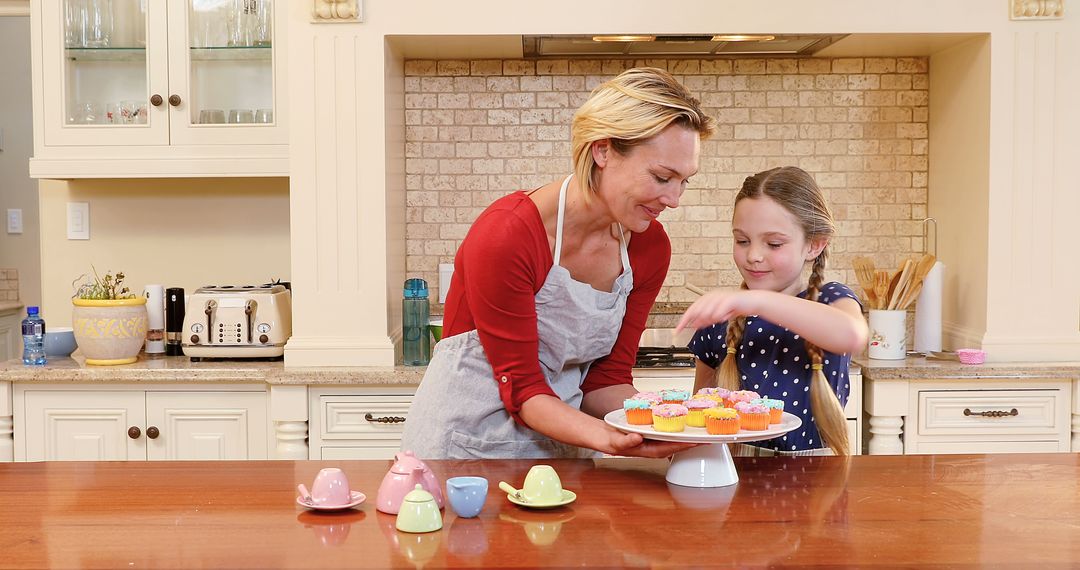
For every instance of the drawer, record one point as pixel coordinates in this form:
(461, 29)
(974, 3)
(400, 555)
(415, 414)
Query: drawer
(991, 412)
(357, 417)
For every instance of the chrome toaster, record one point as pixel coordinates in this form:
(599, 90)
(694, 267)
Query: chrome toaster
(233, 321)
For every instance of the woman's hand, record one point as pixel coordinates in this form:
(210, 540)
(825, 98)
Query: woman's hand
(717, 307)
(634, 445)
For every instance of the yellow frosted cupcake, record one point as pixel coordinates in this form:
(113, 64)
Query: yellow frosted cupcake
(721, 421)
(696, 406)
(669, 417)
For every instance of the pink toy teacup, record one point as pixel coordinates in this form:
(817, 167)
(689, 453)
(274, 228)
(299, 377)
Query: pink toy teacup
(971, 355)
(331, 488)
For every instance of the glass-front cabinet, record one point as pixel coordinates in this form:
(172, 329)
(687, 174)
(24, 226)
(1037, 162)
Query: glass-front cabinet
(160, 81)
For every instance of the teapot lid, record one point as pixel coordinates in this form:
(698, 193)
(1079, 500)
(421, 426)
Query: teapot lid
(405, 463)
(418, 495)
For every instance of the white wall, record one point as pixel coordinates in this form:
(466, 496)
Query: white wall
(17, 190)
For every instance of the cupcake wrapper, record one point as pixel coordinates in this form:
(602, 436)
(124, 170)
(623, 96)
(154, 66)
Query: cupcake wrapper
(639, 416)
(675, 424)
(754, 422)
(696, 418)
(776, 415)
(721, 426)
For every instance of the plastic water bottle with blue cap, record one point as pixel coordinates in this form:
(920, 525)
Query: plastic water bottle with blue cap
(416, 339)
(33, 333)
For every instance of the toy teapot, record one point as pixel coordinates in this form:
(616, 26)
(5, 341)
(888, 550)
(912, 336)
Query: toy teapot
(406, 473)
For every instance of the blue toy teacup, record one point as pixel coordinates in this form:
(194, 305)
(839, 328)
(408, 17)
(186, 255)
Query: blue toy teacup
(467, 495)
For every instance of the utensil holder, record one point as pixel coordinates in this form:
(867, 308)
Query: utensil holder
(888, 335)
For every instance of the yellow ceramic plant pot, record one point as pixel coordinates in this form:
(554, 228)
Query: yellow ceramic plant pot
(110, 331)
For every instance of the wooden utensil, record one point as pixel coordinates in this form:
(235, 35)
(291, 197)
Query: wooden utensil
(881, 288)
(901, 283)
(864, 272)
(925, 264)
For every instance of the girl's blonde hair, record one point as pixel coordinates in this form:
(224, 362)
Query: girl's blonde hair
(796, 191)
(629, 109)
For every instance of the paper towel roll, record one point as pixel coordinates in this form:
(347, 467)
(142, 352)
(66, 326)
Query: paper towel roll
(928, 310)
(155, 312)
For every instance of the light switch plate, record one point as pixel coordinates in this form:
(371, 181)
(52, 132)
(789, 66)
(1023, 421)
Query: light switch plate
(14, 221)
(78, 220)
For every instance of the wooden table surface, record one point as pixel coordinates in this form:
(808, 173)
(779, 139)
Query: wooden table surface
(884, 511)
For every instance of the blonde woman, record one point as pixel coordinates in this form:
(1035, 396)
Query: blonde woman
(784, 337)
(552, 287)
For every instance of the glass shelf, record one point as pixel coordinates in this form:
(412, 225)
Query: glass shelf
(252, 53)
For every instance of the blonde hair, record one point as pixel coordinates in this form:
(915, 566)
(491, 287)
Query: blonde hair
(796, 191)
(628, 110)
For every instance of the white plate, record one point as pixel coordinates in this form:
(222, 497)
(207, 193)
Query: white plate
(357, 498)
(617, 419)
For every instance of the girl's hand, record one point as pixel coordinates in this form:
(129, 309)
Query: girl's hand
(634, 445)
(717, 307)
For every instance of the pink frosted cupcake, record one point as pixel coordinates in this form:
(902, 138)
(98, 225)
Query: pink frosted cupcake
(669, 417)
(696, 406)
(776, 408)
(741, 396)
(752, 417)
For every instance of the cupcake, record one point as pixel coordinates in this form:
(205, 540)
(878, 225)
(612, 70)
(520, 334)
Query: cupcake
(742, 396)
(718, 394)
(776, 408)
(721, 421)
(651, 397)
(638, 410)
(752, 417)
(674, 396)
(696, 406)
(669, 417)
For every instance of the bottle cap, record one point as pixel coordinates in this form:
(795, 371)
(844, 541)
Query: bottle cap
(31, 310)
(416, 288)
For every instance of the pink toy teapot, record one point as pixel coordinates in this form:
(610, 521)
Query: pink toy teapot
(406, 473)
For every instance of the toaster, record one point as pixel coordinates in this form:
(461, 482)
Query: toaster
(231, 321)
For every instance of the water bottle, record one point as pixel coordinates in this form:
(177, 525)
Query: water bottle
(416, 340)
(33, 334)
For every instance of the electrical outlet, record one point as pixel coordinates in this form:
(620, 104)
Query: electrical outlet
(78, 220)
(14, 221)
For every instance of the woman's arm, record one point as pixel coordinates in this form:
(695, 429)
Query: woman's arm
(838, 327)
(555, 419)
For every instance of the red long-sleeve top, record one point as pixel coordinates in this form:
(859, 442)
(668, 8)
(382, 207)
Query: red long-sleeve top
(501, 265)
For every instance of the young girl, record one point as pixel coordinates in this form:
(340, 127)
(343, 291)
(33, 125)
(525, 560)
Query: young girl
(778, 335)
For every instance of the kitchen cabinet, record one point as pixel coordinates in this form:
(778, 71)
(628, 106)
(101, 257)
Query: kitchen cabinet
(10, 335)
(176, 88)
(357, 422)
(127, 423)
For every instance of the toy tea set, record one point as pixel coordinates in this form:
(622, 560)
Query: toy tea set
(411, 491)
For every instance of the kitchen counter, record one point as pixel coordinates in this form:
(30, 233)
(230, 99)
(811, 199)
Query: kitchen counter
(918, 367)
(182, 369)
(900, 511)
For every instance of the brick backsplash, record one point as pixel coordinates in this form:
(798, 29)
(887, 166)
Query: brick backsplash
(477, 130)
(9, 285)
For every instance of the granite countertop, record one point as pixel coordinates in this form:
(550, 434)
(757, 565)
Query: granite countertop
(919, 368)
(10, 306)
(182, 369)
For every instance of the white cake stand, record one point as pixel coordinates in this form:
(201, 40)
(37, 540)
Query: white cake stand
(704, 465)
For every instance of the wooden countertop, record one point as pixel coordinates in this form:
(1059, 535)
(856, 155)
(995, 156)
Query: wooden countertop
(867, 511)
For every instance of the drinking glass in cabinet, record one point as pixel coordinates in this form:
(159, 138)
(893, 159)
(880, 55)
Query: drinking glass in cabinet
(241, 116)
(209, 23)
(211, 116)
(264, 116)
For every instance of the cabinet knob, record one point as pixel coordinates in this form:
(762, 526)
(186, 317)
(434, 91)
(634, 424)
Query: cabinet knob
(134, 432)
(152, 432)
(156, 100)
(174, 100)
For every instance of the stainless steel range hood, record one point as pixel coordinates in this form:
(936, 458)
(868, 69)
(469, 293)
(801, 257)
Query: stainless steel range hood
(679, 45)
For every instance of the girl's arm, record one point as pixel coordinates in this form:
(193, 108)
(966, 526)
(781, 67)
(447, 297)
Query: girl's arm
(838, 327)
(704, 376)
(555, 419)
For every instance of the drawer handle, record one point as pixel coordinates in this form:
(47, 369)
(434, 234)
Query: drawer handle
(385, 419)
(992, 413)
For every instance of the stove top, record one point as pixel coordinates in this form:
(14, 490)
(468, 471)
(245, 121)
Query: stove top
(664, 357)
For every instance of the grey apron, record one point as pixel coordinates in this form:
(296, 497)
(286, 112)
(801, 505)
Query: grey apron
(457, 412)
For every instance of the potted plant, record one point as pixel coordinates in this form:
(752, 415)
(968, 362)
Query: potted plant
(109, 320)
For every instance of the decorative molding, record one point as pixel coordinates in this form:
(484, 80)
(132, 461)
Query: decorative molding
(1037, 9)
(14, 7)
(337, 11)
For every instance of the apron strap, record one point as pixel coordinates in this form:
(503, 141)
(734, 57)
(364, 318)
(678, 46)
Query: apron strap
(624, 254)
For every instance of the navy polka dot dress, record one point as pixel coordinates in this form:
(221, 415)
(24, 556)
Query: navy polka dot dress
(773, 362)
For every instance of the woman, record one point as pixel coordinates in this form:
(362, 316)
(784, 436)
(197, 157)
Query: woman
(552, 287)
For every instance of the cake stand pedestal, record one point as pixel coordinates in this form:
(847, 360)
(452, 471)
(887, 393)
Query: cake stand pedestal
(708, 465)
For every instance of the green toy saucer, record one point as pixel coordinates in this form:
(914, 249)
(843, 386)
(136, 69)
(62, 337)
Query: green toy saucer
(567, 498)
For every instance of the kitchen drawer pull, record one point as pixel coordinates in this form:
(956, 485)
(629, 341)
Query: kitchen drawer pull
(992, 413)
(385, 419)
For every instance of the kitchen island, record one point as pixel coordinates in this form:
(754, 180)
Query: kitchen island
(886, 511)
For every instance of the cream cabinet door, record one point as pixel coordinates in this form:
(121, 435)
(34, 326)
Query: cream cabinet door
(206, 425)
(84, 425)
(10, 337)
